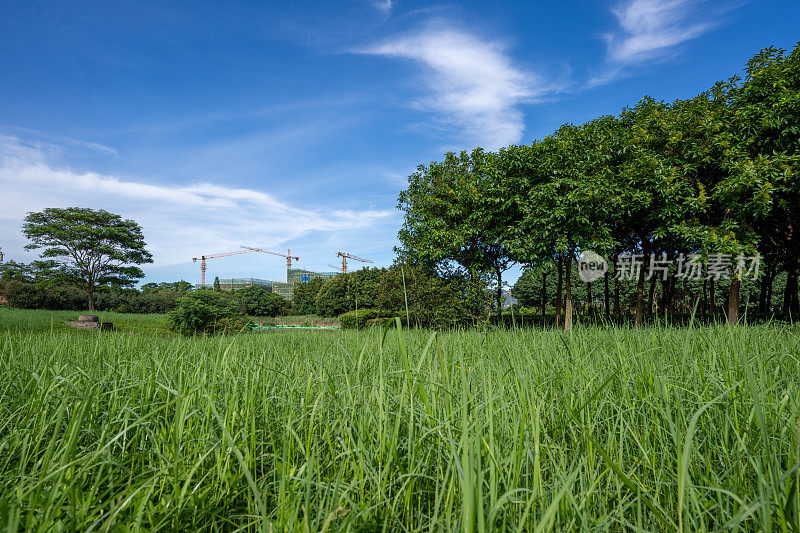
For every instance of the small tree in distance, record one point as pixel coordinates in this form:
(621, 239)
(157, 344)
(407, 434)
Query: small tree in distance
(94, 245)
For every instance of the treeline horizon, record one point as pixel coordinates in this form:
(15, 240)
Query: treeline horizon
(711, 174)
(418, 296)
(715, 174)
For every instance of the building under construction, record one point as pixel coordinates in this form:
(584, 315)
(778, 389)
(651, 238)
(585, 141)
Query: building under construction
(285, 289)
(293, 275)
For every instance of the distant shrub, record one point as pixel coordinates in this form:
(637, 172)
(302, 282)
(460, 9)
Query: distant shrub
(23, 295)
(256, 301)
(304, 297)
(358, 319)
(231, 325)
(206, 311)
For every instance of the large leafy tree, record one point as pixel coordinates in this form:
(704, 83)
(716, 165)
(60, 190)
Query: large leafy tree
(563, 193)
(331, 299)
(450, 217)
(701, 152)
(766, 123)
(96, 246)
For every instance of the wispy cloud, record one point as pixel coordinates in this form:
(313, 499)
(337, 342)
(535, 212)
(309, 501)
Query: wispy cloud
(470, 83)
(650, 30)
(383, 5)
(56, 142)
(179, 221)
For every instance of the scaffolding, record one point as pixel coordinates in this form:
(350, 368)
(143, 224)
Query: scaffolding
(278, 287)
(234, 284)
(300, 275)
(285, 289)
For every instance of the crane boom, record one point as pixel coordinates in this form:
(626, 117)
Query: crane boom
(203, 258)
(287, 255)
(345, 256)
(245, 250)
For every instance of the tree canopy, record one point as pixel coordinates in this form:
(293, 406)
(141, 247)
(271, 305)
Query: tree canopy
(710, 176)
(94, 245)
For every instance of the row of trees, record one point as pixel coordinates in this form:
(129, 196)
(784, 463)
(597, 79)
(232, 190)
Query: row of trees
(400, 290)
(90, 256)
(50, 285)
(713, 174)
(537, 291)
(422, 297)
(43, 285)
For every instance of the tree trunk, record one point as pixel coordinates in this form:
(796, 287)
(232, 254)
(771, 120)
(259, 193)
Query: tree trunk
(733, 301)
(589, 299)
(790, 303)
(640, 299)
(672, 294)
(568, 301)
(544, 296)
(617, 308)
(605, 296)
(762, 295)
(90, 292)
(651, 295)
(769, 292)
(704, 309)
(499, 290)
(713, 296)
(558, 290)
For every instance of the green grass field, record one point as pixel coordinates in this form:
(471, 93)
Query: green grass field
(26, 321)
(531, 430)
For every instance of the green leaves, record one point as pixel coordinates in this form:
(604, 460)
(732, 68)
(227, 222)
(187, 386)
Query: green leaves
(98, 246)
(256, 301)
(716, 173)
(206, 311)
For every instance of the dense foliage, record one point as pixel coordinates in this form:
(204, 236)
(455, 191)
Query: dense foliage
(93, 246)
(42, 285)
(256, 301)
(411, 292)
(714, 174)
(206, 311)
(304, 296)
(358, 319)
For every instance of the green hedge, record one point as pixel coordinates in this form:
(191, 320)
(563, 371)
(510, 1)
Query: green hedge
(358, 319)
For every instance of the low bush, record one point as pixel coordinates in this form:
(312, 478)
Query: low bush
(206, 311)
(358, 319)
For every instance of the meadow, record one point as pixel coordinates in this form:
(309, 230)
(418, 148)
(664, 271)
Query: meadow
(600, 428)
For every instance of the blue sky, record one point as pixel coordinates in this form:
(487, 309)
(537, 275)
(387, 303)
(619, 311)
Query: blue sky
(295, 125)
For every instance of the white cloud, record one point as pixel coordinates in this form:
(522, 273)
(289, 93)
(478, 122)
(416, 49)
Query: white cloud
(179, 222)
(649, 30)
(57, 142)
(471, 83)
(384, 5)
